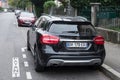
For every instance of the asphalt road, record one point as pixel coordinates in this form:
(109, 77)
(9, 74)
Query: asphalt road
(113, 55)
(16, 63)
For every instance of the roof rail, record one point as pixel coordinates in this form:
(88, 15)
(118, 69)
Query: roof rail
(80, 17)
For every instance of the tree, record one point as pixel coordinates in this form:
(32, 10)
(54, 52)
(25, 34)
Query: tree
(22, 4)
(12, 3)
(1, 8)
(74, 3)
(64, 2)
(48, 5)
(39, 9)
(79, 3)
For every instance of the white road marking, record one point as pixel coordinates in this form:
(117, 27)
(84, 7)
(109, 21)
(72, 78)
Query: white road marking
(28, 75)
(111, 70)
(24, 56)
(26, 64)
(23, 49)
(15, 23)
(15, 67)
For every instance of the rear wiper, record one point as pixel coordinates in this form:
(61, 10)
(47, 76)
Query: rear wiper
(70, 32)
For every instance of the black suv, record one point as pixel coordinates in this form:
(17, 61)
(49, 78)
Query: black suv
(65, 41)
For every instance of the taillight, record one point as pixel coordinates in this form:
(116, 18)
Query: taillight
(99, 40)
(49, 39)
(20, 20)
(33, 21)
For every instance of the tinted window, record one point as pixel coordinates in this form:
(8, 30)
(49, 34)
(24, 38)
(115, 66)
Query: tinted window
(41, 23)
(62, 28)
(25, 14)
(36, 23)
(82, 29)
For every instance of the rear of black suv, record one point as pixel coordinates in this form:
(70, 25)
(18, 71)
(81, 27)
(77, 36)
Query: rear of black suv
(68, 43)
(71, 43)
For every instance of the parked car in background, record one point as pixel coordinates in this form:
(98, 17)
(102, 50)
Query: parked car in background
(26, 19)
(5, 10)
(17, 12)
(65, 41)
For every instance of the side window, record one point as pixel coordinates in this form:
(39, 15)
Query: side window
(46, 25)
(41, 23)
(36, 23)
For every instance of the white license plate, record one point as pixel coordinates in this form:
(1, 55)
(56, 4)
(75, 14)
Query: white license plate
(76, 44)
(27, 22)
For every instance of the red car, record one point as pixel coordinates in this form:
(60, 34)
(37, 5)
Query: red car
(26, 19)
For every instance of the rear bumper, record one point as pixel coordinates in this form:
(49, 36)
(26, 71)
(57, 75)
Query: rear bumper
(24, 23)
(50, 58)
(61, 62)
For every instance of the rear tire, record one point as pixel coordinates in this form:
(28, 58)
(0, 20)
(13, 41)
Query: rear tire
(19, 25)
(96, 67)
(38, 66)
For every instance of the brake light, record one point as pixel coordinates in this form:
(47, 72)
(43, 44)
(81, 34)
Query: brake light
(20, 20)
(99, 40)
(33, 21)
(49, 39)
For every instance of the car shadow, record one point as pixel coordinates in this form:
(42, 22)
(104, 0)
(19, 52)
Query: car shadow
(69, 69)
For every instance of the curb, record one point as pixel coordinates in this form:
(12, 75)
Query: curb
(110, 72)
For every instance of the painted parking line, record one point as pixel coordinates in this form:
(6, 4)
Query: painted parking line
(15, 23)
(15, 67)
(23, 49)
(26, 64)
(112, 73)
(24, 56)
(28, 75)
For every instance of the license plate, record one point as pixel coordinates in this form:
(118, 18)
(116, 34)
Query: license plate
(27, 22)
(76, 44)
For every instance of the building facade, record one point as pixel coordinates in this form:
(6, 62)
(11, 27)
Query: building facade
(4, 3)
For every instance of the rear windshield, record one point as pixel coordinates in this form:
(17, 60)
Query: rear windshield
(79, 29)
(25, 14)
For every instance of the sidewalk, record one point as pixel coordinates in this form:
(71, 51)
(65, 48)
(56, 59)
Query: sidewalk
(112, 55)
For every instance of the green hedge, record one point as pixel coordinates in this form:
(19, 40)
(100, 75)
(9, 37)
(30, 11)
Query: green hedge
(1, 9)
